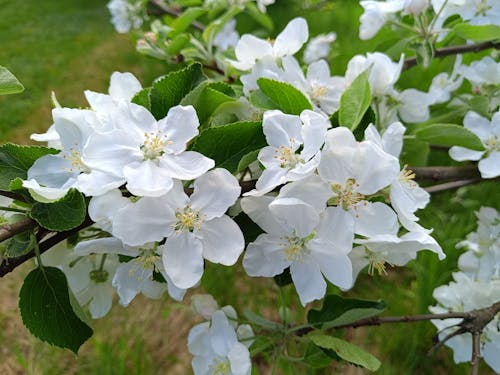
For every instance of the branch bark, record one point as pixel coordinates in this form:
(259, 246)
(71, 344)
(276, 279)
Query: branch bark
(10, 230)
(455, 50)
(446, 173)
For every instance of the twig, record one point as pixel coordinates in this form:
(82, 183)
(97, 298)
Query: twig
(175, 13)
(10, 230)
(476, 353)
(451, 185)
(445, 173)
(12, 195)
(454, 50)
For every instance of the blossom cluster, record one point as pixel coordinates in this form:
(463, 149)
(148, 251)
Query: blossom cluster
(476, 285)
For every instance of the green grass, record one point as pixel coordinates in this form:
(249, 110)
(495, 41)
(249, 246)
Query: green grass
(69, 47)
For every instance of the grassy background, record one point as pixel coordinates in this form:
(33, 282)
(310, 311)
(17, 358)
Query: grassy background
(68, 47)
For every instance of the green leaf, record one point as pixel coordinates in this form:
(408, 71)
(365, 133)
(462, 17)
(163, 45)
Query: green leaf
(143, 98)
(46, 310)
(260, 321)
(450, 135)
(207, 97)
(20, 244)
(337, 311)
(355, 101)
(262, 18)
(424, 52)
(64, 214)
(217, 25)
(347, 351)
(261, 100)
(16, 160)
(480, 104)
(9, 83)
(246, 160)
(316, 357)
(250, 230)
(182, 22)
(415, 152)
(284, 278)
(228, 144)
(477, 33)
(169, 90)
(176, 44)
(285, 96)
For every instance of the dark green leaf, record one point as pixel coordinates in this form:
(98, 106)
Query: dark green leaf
(250, 230)
(285, 96)
(415, 153)
(228, 144)
(16, 160)
(337, 311)
(316, 357)
(246, 160)
(20, 244)
(9, 83)
(347, 351)
(169, 90)
(284, 278)
(262, 18)
(47, 312)
(183, 21)
(477, 33)
(355, 101)
(142, 98)
(64, 214)
(450, 135)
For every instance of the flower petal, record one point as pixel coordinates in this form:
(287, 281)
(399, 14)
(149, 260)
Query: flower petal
(222, 240)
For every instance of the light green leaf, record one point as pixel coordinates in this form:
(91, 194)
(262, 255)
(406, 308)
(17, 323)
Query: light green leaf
(262, 18)
(355, 101)
(9, 83)
(228, 144)
(285, 96)
(20, 244)
(246, 160)
(176, 44)
(184, 20)
(217, 25)
(260, 320)
(337, 311)
(15, 161)
(46, 310)
(347, 351)
(450, 135)
(477, 33)
(64, 214)
(260, 100)
(415, 152)
(169, 90)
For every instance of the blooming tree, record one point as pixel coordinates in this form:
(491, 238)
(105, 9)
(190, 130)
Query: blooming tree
(252, 151)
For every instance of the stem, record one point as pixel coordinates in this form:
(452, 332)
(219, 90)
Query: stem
(175, 13)
(476, 353)
(451, 185)
(11, 195)
(455, 50)
(445, 173)
(10, 230)
(2, 208)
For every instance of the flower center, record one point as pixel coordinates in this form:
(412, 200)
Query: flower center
(482, 8)
(287, 157)
(220, 367)
(406, 176)
(154, 145)
(377, 263)
(188, 219)
(318, 92)
(77, 165)
(295, 249)
(99, 275)
(148, 258)
(346, 196)
(493, 144)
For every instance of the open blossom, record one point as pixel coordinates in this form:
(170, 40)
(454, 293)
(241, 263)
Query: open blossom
(375, 15)
(227, 37)
(319, 47)
(216, 348)
(125, 14)
(314, 245)
(483, 72)
(250, 49)
(489, 134)
(294, 148)
(146, 153)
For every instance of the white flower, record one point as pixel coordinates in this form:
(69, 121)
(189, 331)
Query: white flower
(294, 148)
(216, 349)
(415, 7)
(146, 153)
(196, 227)
(413, 105)
(319, 47)
(383, 73)
(354, 170)
(51, 176)
(297, 236)
(489, 134)
(443, 84)
(125, 15)
(483, 72)
(122, 87)
(227, 37)
(250, 49)
(322, 90)
(375, 15)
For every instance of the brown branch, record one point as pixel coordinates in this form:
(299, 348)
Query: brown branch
(175, 13)
(455, 50)
(12, 195)
(451, 185)
(8, 265)
(10, 230)
(445, 173)
(476, 353)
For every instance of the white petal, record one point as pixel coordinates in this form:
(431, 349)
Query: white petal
(183, 260)
(296, 215)
(249, 49)
(292, 38)
(313, 132)
(257, 208)
(239, 358)
(223, 335)
(214, 192)
(336, 266)
(102, 246)
(102, 301)
(461, 153)
(265, 256)
(478, 125)
(308, 281)
(311, 190)
(187, 165)
(124, 86)
(280, 128)
(179, 126)
(490, 166)
(336, 229)
(146, 178)
(222, 240)
(374, 218)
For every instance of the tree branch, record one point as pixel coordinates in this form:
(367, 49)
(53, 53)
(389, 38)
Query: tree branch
(455, 50)
(476, 353)
(10, 230)
(445, 173)
(451, 185)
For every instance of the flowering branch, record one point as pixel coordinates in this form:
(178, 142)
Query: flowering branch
(454, 50)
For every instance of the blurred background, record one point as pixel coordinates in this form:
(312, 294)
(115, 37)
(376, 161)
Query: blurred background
(70, 46)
